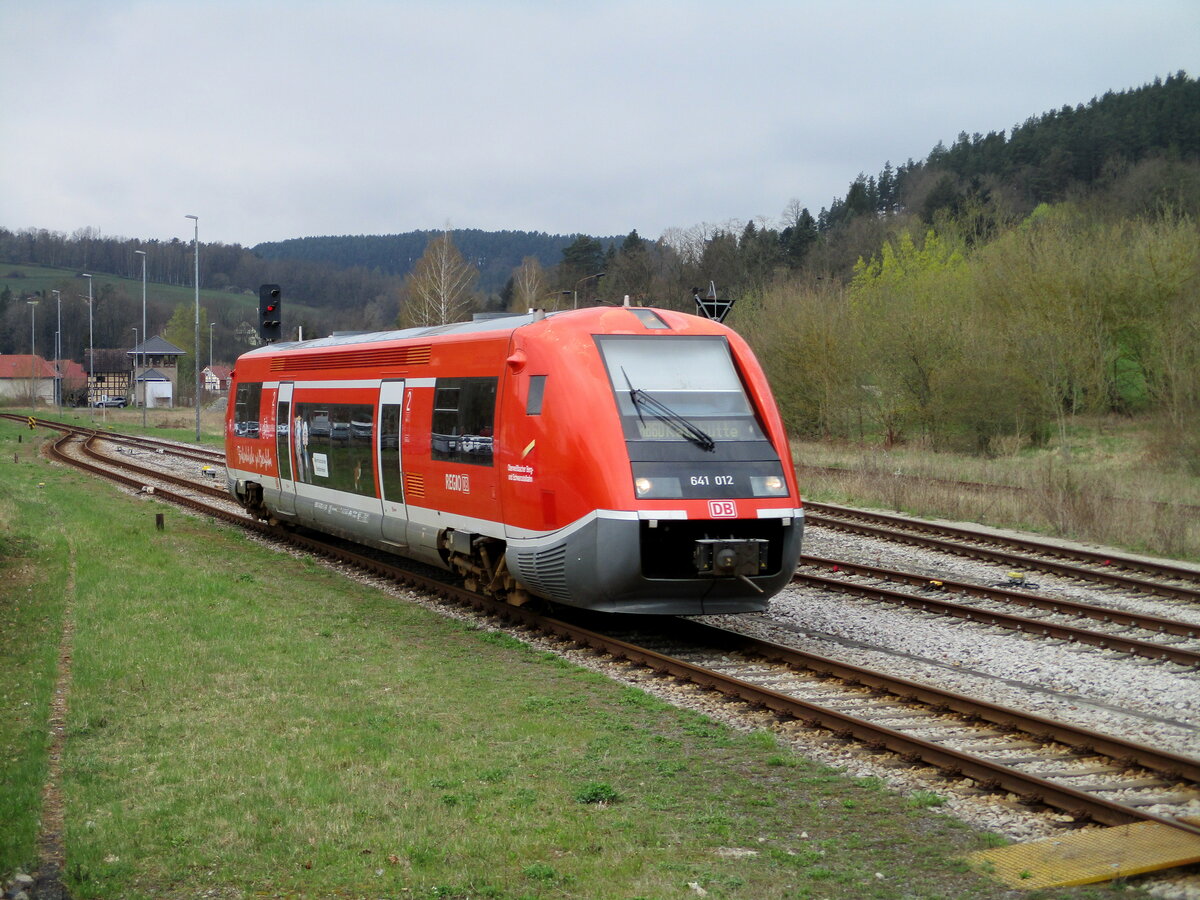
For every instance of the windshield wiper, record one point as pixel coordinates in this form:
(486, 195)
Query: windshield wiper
(663, 413)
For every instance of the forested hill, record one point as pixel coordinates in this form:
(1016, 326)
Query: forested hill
(1123, 154)
(495, 253)
(1040, 160)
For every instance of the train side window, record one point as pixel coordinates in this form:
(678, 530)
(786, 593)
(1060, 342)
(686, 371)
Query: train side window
(464, 411)
(537, 389)
(282, 427)
(246, 409)
(389, 453)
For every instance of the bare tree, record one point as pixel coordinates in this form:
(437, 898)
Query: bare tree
(441, 288)
(529, 285)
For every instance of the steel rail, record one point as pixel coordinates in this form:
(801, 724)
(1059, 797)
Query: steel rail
(991, 775)
(1172, 765)
(198, 454)
(1157, 568)
(975, 487)
(1024, 598)
(170, 477)
(1148, 649)
(1004, 558)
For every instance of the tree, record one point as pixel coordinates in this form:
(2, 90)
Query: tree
(529, 286)
(799, 235)
(181, 331)
(585, 254)
(906, 301)
(441, 288)
(583, 258)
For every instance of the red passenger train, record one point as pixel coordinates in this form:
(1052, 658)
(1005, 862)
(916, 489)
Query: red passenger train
(624, 459)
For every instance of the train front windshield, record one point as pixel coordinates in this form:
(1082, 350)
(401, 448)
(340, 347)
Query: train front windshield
(678, 388)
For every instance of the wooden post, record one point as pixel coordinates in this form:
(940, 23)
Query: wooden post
(158, 521)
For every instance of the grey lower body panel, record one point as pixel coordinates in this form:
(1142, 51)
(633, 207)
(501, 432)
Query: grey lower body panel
(607, 564)
(614, 565)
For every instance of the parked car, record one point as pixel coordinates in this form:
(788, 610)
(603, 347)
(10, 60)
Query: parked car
(111, 401)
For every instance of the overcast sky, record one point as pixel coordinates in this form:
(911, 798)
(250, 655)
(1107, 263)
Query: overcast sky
(272, 119)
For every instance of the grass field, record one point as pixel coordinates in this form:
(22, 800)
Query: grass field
(1109, 487)
(245, 723)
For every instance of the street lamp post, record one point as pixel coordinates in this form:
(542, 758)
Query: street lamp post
(196, 244)
(145, 335)
(575, 293)
(32, 353)
(211, 326)
(58, 354)
(91, 346)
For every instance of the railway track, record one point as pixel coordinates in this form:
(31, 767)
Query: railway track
(1159, 637)
(1088, 775)
(974, 487)
(1178, 582)
(139, 442)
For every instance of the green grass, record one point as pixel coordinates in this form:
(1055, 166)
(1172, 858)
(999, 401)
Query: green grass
(246, 723)
(1108, 486)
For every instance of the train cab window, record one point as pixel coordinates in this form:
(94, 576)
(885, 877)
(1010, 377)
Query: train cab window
(678, 389)
(247, 403)
(464, 411)
(537, 389)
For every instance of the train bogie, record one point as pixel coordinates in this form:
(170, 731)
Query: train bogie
(612, 458)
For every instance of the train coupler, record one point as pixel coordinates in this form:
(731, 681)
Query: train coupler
(731, 558)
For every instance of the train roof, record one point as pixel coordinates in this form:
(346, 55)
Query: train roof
(495, 323)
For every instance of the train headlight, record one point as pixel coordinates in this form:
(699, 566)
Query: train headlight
(657, 487)
(768, 485)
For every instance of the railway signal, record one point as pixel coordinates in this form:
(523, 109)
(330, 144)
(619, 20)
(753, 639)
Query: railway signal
(711, 307)
(269, 326)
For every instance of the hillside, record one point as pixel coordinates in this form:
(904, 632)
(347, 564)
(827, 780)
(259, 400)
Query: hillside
(495, 253)
(1121, 156)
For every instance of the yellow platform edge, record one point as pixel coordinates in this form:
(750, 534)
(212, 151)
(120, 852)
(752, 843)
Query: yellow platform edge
(1089, 856)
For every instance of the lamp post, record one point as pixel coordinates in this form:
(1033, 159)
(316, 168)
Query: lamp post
(145, 335)
(575, 293)
(196, 244)
(91, 345)
(32, 353)
(58, 354)
(211, 326)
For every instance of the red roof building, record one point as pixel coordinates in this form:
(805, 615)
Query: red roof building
(23, 377)
(216, 378)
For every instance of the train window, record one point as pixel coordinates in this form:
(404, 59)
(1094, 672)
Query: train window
(333, 443)
(246, 409)
(537, 388)
(663, 384)
(464, 411)
(389, 452)
(282, 427)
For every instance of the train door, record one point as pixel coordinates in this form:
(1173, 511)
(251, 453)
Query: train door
(391, 474)
(285, 427)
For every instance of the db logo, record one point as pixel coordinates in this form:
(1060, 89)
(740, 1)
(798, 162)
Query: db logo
(722, 509)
